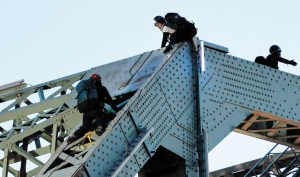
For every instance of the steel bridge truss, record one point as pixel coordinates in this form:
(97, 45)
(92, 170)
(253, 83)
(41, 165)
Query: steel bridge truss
(186, 101)
(285, 163)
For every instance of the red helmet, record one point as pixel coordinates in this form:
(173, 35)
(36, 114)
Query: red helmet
(95, 77)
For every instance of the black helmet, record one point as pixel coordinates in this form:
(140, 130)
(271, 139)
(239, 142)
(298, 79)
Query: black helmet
(159, 19)
(274, 48)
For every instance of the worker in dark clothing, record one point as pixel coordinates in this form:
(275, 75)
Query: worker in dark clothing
(95, 113)
(275, 56)
(175, 29)
(104, 97)
(160, 23)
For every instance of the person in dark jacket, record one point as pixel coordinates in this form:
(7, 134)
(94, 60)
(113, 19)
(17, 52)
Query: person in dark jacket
(95, 113)
(160, 23)
(275, 56)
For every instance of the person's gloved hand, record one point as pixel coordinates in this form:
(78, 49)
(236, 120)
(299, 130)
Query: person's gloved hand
(168, 48)
(292, 62)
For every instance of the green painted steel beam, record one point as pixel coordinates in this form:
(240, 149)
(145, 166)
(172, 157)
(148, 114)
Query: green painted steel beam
(36, 128)
(5, 162)
(54, 138)
(64, 87)
(46, 85)
(13, 89)
(19, 100)
(27, 155)
(34, 153)
(34, 108)
(33, 172)
(10, 169)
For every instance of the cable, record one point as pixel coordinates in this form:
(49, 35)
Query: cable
(132, 75)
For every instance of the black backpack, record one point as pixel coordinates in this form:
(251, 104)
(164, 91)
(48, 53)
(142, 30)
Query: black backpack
(260, 60)
(184, 29)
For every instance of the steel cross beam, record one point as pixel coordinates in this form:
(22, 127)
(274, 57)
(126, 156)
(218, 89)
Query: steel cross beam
(249, 98)
(44, 111)
(289, 161)
(47, 112)
(151, 107)
(272, 132)
(233, 95)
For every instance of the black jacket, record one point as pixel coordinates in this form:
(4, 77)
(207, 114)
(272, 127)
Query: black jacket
(104, 97)
(164, 39)
(272, 61)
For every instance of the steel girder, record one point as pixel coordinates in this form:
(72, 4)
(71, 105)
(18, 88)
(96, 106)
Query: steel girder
(37, 120)
(234, 95)
(52, 117)
(249, 98)
(47, 114)
(272, 164)
(160, 113)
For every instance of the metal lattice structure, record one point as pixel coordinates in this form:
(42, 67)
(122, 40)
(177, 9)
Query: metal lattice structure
(273, 163)
(185, 101)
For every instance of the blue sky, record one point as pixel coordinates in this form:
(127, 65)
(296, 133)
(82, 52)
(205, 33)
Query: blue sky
(45, 40)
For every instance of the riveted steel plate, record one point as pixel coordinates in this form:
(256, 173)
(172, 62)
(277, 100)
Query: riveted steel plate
(232, 88)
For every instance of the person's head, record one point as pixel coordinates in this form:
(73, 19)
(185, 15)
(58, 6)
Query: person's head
(159, 21)
(97, 78)
(275, 50)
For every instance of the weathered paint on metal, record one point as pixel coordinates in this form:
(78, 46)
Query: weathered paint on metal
(230, 89)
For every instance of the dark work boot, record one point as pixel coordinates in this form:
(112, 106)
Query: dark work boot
(71, 139)
(99, 131)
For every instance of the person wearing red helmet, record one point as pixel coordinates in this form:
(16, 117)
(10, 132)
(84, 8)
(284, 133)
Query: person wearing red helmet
(96, 77)
(95, 113)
